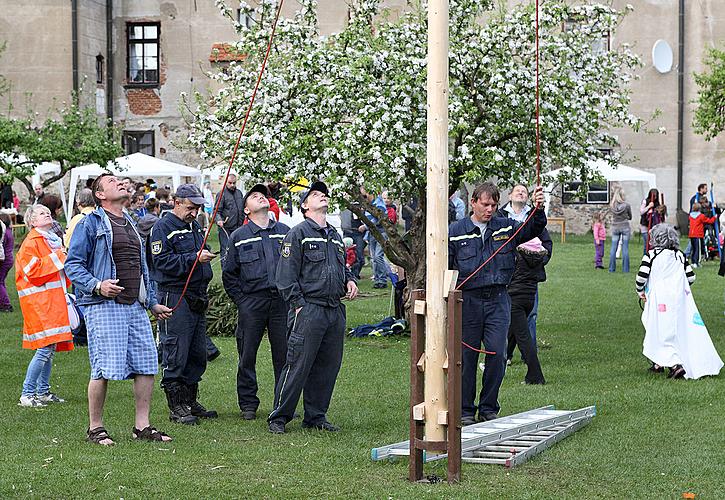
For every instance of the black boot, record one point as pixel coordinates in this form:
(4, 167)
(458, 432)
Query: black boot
(197, 409)
(179, 411)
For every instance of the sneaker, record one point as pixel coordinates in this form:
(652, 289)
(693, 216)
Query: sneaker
(322, 426)
(276, 427)
(49, 398)
(249, 414)
(31, 402)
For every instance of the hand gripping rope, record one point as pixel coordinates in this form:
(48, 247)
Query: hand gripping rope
(236, 148)
(538, 180)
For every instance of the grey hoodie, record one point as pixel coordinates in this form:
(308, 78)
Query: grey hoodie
(621, 215)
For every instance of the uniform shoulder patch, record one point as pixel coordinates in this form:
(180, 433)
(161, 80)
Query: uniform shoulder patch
(156, 247)
(286, 249)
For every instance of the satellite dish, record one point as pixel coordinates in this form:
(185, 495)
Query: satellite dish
(662, 56)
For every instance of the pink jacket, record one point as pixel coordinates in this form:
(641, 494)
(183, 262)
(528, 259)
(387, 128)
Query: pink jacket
(600, 233)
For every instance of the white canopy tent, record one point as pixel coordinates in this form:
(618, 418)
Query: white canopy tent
(134, 165)
(40, 170)
(621, 173)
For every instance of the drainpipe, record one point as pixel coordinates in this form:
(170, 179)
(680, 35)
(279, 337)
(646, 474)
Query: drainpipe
(109, 62)
(680, 103)
(74, 44)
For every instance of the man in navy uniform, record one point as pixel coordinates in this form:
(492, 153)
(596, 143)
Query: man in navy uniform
(175, 241)
(249, 279)
(312, 278)
(486, 304)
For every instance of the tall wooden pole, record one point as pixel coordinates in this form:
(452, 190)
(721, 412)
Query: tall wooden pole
(436, 403)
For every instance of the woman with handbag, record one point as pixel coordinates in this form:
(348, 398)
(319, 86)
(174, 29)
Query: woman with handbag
(41, 284)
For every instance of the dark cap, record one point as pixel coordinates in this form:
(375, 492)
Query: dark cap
(191, 192)
(315, 186)
(257, 188)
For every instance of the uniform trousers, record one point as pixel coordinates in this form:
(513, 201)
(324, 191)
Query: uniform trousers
(183, 343)
(314, 357)
(486, 318)
(257, 314)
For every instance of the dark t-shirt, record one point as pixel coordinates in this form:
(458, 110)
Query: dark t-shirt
(126, 252)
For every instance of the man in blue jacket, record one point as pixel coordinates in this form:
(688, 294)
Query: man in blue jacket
(107, 265)
(486, 304)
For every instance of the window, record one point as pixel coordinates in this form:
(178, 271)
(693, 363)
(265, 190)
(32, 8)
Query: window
(244, 19)
(139, 142)
(600, 45)
(597, 194)
(143, 53)
(99, 68)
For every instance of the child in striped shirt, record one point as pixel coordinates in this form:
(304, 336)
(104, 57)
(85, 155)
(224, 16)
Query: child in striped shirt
(675, 334)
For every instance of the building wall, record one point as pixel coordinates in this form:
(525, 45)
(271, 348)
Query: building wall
(37, 56)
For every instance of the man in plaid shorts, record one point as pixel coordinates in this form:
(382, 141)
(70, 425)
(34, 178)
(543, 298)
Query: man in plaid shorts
(107, 265)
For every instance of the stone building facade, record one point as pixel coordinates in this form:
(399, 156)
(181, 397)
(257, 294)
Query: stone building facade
(135, 57)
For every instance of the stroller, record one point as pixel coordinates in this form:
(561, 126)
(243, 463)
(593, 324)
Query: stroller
(711, 244)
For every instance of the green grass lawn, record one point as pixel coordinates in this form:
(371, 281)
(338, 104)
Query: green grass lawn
(651, 438)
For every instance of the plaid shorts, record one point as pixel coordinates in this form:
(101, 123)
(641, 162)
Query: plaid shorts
(120, 341)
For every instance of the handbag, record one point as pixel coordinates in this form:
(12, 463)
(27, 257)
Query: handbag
(73, 314)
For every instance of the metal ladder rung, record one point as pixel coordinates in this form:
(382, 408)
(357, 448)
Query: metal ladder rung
(492, 461)
(512, 448)
(492, 454)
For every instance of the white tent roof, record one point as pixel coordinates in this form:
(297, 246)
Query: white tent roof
(134, 165)
(621, 173)
(40, 169)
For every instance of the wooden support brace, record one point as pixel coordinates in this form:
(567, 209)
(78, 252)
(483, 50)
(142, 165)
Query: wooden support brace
(419, 411)
(421, 363)
(450, 278)
(443, 418)
(419, 307)
(445, 363)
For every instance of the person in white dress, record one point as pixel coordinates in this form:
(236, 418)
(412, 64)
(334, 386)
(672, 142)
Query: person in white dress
(675, 334)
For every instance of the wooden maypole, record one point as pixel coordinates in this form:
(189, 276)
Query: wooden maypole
(436, 228)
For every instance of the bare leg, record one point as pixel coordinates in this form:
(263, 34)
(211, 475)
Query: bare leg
(143, 386)
(96, 400)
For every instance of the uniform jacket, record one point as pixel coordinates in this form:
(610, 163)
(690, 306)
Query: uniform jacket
(312, 266)
(231, 209)
(90, 260)
(251, 263)
(467, 250)
(173, 245)
(697, 224)
(41, 288)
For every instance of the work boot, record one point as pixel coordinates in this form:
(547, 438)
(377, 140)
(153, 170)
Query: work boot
(179, 411)
(197, 409)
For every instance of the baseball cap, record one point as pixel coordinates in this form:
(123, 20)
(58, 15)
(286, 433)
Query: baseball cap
(191, 192)
(315, 186)
(257, 188)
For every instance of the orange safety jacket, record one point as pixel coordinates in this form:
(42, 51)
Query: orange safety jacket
(38, 278)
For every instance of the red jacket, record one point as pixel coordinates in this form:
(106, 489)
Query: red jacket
(697, 225)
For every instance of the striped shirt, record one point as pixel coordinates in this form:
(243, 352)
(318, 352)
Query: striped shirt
(646, 266)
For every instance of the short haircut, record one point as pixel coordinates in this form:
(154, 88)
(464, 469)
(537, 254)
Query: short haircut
(488, 188)
(162, 193)
(700, 186)
(85, 198)
(517, 185)
(151, 204)
(30, 213)
(96, 186)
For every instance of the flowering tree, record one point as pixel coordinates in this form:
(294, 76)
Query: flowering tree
(710, 112)
(351, 108)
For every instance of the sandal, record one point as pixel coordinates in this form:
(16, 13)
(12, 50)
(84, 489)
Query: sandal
(150, 434)
(97, 435)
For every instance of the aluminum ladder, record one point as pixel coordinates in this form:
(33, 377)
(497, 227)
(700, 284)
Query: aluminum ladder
(508, 441)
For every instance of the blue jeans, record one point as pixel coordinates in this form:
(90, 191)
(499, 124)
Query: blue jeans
(645, 239)
(377, 255)
(624, 235)
(37, 378)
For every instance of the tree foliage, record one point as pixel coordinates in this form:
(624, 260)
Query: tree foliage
(710, 103)
(351, 107)
(73, 136)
